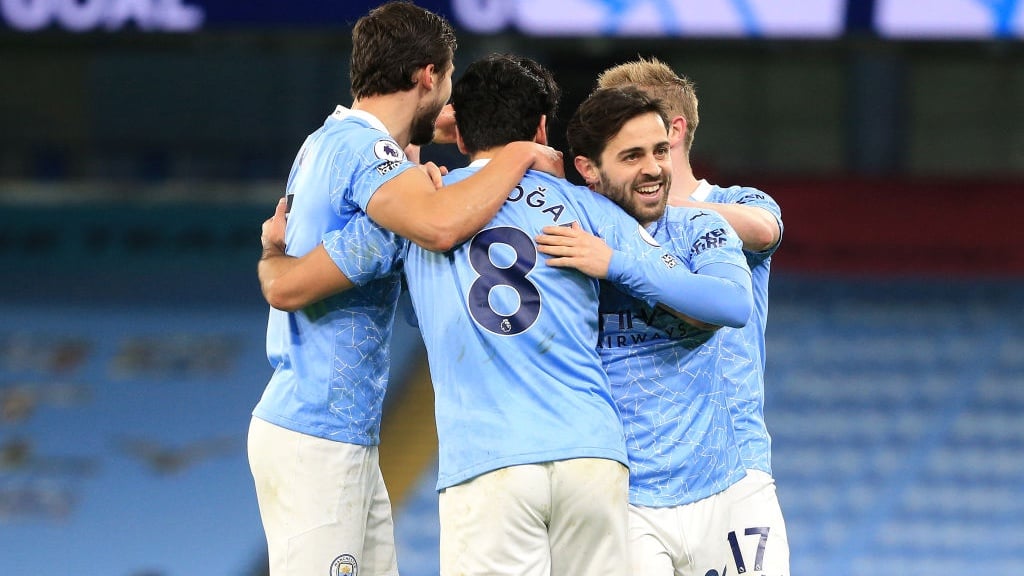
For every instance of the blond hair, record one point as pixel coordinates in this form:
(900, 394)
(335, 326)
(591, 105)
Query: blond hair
(659, 80)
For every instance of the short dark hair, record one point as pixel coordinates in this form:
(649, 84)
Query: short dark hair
(600, 117)
(500, 99)
(393, 41)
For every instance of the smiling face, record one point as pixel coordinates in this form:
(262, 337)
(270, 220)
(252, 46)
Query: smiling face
(635, 170)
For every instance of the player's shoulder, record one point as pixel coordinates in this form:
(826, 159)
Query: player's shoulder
(549, 181)
(573, 193)
(691, 224)
(691, 216)
(354, 132)
(348, 124)
(738, 194)
(458, 174)
(564, 202)
(556, 189)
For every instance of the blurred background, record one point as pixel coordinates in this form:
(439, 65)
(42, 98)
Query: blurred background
(143, 142)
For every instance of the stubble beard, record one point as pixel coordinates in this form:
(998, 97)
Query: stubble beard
(422, 132)
(623, 195)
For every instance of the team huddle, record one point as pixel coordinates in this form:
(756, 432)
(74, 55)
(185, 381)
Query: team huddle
(597, 353)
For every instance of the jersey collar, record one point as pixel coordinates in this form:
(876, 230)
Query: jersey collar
(702, 191)
(341, 112)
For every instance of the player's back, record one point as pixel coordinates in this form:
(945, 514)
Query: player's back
(511, 340)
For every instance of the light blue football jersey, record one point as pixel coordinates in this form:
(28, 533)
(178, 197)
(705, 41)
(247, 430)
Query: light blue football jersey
(665, 379)
(743, 349)
(331, 360)
(511, 341)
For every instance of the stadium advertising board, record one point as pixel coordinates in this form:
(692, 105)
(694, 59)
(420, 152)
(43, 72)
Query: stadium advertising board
(712, 18)
(949, 19)
(111, 15)
(957, 19)
(185, 15)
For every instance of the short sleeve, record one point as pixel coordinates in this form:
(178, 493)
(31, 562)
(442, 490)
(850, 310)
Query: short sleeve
(363, 250)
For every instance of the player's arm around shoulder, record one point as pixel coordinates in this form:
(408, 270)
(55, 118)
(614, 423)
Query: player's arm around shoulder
(711, 289)
(590, 242)
(720, 292)
(440, 219)
(289, 283)
(754, 216)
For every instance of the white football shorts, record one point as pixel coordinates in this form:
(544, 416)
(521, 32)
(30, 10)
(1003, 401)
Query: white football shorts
(566, 517)
(687, 540)
(324, 506)
(757, 531)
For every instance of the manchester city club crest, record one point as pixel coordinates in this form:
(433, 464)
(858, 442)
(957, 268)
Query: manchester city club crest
(344, 565)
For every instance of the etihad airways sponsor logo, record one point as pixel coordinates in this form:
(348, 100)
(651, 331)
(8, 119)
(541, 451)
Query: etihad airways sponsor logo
(646, 326)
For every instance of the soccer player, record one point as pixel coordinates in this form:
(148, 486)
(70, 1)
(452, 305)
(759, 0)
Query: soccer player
(757, 532)
(532, 459)
(664, 371)
(313, 435)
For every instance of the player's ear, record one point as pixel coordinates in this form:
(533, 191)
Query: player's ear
(587, 170)
(541, 137)
(425, 77)
(676, 131)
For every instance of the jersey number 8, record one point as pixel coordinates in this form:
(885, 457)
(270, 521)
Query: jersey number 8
(512, 275)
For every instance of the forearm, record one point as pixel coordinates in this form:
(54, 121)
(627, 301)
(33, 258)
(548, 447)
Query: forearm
(272, 266)
(441, 219)
(720, 295)
(756, 227)
(713, 301)
(290, 283)
(471, 203)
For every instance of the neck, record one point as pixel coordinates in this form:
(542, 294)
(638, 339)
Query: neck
(396, 111)
(485, 154)
(684, 183)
